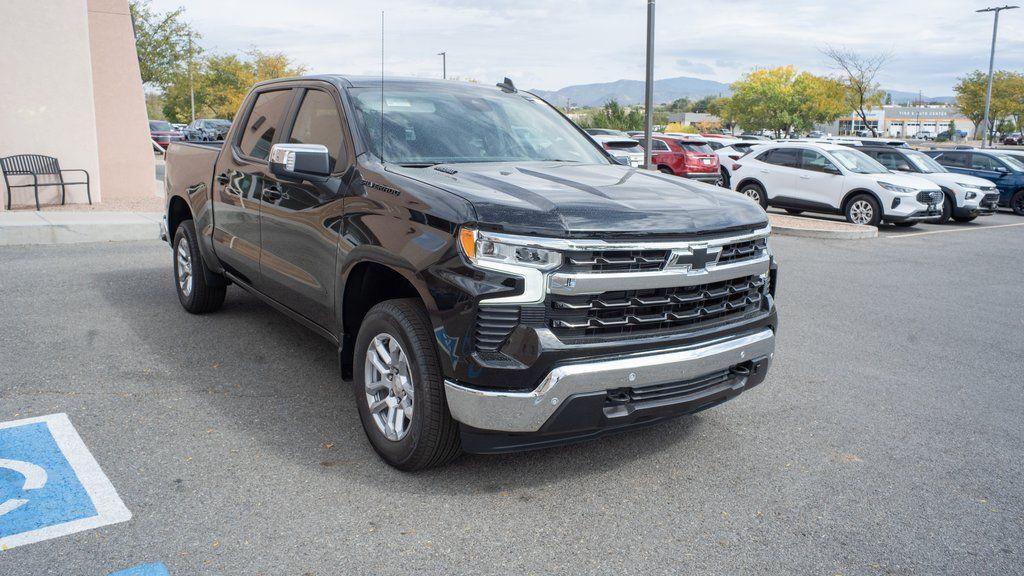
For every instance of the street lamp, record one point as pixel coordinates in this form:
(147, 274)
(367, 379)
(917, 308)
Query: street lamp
(444, 64)
(991, 61)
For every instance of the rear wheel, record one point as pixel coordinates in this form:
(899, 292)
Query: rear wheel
(1017, 203)
(666, 170)
(195, 293)
(399, 389)
(756, 193)
(863, 209)
(724, 181)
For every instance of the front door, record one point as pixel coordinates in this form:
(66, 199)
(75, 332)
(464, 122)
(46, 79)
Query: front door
(238, 181)
(300, 222)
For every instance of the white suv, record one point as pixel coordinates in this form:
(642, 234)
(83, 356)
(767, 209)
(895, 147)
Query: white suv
(834, 179)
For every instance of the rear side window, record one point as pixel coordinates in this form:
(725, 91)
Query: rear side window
(782, 157)
(262, 124)
(957, 159)
(318, 123)
(659, 146)
(891, 160)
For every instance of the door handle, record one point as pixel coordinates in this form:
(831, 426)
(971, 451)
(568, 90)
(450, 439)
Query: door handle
(764, 171)
(223, 179)
(803, 177)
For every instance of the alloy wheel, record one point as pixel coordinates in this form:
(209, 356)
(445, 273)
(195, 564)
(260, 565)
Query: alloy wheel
(389, 386)
(754, 194)
(184, 257)
(861, 212)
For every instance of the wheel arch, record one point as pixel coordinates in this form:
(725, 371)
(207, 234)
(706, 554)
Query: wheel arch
(178, 211)
(366, 284)
(857, 192)
(751, 180)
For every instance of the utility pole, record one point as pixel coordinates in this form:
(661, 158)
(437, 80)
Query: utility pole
(987, 136)
(191, 87)
(649, 86)
(444, 65)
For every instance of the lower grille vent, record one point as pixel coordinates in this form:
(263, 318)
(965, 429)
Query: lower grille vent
(494, 324)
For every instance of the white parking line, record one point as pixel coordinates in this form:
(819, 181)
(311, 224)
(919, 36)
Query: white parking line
(947, 231)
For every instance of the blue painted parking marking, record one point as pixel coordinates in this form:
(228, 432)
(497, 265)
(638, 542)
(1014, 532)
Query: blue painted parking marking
(156, 569)
(50, 484)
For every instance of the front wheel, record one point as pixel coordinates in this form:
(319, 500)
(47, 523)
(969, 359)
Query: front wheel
(947, 212)
(399, 388)
(756, 193)
(964, 219)
(195, 293)
(864, 210)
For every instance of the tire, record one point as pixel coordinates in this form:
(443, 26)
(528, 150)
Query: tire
(428, 438)
(863, 209)
(756, 193)
(666, 170)
(904, 224)
(963, 219)
(724, 180)
(1017, 203)
(794, 212)
(947, 211)
(191, 273)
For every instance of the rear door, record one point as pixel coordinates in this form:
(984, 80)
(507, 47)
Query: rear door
(777, 170)
(239, 178)
(955, 161)
(300, 221)
(987, 167)
(817, 182)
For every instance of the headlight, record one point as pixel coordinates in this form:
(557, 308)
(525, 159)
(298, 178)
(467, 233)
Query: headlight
(972, 190)
(895, 188)
(489, 249)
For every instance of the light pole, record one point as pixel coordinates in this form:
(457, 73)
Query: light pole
(649, 85)
(987, 136)
(444, 65)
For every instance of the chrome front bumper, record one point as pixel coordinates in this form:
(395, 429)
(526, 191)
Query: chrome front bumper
(528, 411)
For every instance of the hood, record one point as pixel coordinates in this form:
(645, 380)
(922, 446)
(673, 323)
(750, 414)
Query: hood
(908, 180)
(951, 179)
(568, 199)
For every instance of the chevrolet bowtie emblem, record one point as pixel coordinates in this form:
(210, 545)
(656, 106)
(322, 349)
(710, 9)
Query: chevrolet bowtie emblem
(695, 259)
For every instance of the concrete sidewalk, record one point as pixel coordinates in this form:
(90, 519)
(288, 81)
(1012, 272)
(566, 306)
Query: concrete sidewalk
(18, 228)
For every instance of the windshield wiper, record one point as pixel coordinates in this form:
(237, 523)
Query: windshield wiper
(418, 164)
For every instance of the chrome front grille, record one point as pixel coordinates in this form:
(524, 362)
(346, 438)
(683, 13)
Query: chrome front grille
(631, 312)
(616, 260)
(929, 197)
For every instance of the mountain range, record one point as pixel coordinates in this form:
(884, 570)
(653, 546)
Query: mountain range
(631, 92)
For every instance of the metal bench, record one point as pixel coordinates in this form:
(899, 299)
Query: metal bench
(36, 165)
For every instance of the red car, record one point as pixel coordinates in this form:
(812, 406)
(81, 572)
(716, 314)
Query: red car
(163, 133)
(686, 157)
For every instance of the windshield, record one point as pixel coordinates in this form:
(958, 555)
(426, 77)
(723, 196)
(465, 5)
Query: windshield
(160, 126)
(924, 162)
(857, 161)
(435, 125)
(1013, 162)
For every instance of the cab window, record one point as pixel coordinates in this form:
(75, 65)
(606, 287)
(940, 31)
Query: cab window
(263, 122)
(318, 123)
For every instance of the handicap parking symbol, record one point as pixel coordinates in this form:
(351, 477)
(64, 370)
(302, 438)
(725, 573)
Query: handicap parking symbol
(50, 484)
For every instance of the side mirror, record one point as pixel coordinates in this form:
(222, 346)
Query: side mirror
(300, 161)
(833, 170)
(1001, 169)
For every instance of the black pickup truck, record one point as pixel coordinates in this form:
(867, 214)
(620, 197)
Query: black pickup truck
(493, 279)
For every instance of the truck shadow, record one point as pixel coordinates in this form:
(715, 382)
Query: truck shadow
(278, 383)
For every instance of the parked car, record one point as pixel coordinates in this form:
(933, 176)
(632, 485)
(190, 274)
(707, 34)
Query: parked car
(486, 291)
(728, 151)
(207, 130)
(685, 156)
(1002, 169)
(967, 197)
(1014, 139)
(163, 133)
(604, 132)
(834, 179)
(753, 136)
(924, 135)
(815, 134)
(627, 150)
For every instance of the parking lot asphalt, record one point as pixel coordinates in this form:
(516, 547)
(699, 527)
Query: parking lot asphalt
(887, 438)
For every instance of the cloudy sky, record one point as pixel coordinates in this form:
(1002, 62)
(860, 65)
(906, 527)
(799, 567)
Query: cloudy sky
(550, 44)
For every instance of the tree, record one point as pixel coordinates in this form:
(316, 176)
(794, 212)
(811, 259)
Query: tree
(161, 41)
(701, 106)
(859, 74)
(780, 100)
(221, 82)
(720, 107)
(1007, 97)
(614, 116)
(680, 105)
